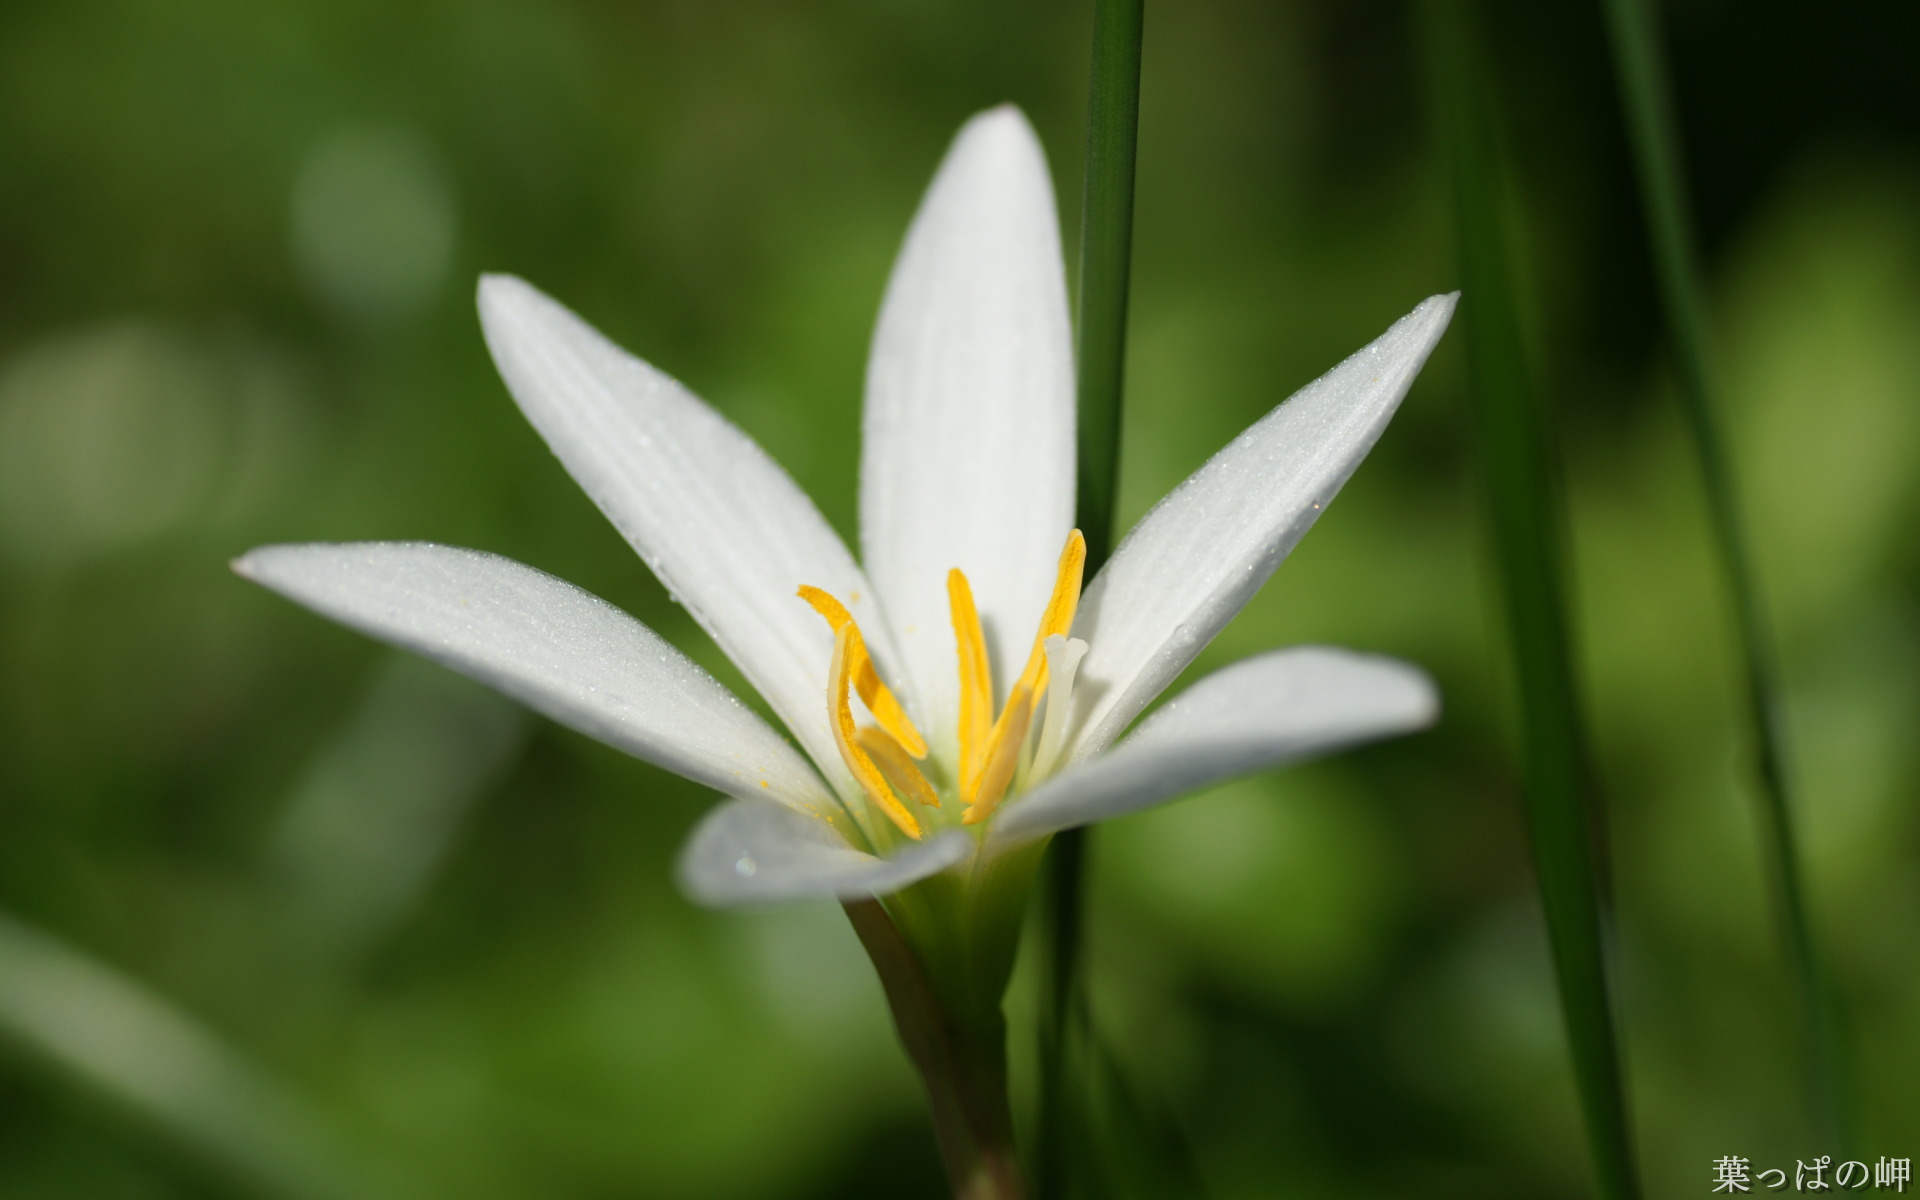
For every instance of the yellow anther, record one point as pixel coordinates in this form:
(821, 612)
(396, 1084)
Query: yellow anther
(840, 717)
(1002, 755)
(989, 746)
(976, 679)
(897, 766)
(879, 699)
(1061, 606)
(1057, 619)
(881, 758)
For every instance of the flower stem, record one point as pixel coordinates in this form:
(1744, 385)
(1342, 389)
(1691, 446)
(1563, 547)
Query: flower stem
(1106, 255)
(962, 1059)
(1653, 133)
(1524, 508)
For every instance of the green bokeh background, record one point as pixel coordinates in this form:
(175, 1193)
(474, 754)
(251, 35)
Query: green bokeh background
(283, 915)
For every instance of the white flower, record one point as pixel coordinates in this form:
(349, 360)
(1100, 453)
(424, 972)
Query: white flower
(931, 743)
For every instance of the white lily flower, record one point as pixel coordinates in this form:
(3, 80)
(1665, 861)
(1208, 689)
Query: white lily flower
(958, 699)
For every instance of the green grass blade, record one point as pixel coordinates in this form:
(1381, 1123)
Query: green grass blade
(1140, 1150)
(1061, 1017)
(118, 1038)
(1524, 506)
(1653, 134)
(1106, 253)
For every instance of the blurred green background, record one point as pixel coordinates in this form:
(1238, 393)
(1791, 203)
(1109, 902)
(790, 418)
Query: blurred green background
(283, 915)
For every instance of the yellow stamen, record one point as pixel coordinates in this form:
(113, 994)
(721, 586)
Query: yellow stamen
(976, 680)
(1057, 619)
(879, 699)
(1002, 755)
(897, 766)
(1061, 607)
(840, 717)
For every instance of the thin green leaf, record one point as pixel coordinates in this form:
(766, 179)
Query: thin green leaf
(1654, 135)
(1142, 1149)
(1106, 251)
(1106, 254)
(114, 1035)
(1523, 495)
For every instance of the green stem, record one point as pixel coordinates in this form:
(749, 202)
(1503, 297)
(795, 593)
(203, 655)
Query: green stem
(1653, 132)
(962, 1060)
(1106, 253)
(1524, 509)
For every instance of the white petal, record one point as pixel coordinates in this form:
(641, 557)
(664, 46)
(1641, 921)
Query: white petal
(551, 646)
(718, 521)
(749, 851)
(967, 446)
(1276, 708)
(1190, 564)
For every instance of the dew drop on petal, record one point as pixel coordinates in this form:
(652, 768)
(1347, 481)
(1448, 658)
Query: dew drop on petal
(745, 867)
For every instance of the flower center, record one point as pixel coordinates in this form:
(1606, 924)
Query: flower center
(994, 749)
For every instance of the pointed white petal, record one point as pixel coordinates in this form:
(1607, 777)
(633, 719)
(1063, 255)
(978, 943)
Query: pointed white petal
(752, 852)
(1190, 564)
(551, 646)
(718, 521)
(1277, 708)
(967, 450)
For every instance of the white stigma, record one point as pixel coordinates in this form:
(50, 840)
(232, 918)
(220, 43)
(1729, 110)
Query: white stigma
(1063, 659)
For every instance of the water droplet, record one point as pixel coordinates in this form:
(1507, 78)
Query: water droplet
(745, 867)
